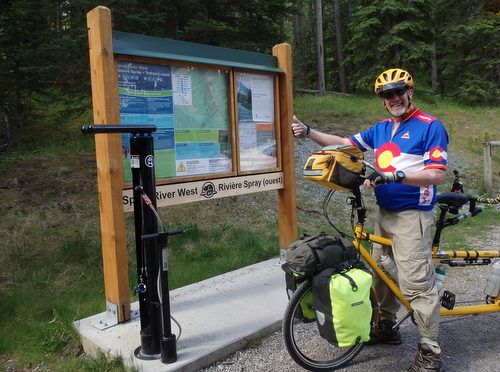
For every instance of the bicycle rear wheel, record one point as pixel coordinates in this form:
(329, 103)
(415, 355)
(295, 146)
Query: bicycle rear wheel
(303, 342)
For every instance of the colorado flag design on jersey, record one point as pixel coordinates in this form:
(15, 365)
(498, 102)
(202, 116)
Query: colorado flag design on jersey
(420, 142)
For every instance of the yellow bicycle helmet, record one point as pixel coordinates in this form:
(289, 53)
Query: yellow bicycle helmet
(392, 79)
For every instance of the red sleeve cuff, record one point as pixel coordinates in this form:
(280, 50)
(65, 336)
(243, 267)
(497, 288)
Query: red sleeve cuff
(435, 166)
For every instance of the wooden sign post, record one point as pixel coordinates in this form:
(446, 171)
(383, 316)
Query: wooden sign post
(106, 110)
(287, 205)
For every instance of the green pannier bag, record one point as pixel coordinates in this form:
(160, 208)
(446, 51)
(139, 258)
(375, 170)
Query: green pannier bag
(342, 304)
(292, 282)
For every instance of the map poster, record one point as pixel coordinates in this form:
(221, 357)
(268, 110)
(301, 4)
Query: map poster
(201, 121)
(256, 129)
(189, 107)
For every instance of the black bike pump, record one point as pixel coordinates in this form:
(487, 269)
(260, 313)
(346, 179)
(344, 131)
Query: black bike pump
(142, 166)
(153, 255)
(151, 246)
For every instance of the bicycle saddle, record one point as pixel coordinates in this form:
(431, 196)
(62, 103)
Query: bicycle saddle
(453, 199)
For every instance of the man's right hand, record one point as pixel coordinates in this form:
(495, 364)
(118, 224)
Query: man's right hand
(381, 178)
(299, 129)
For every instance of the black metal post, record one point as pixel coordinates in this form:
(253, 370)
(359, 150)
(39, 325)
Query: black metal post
(142, 165)
(156, 332)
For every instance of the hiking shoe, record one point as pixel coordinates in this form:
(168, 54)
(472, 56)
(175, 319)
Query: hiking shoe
(426, 361)
(383, 333)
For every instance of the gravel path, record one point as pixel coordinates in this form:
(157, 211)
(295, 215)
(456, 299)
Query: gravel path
(469, 343)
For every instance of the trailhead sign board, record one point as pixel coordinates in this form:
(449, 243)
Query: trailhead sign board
(190, 108)
(217, 116)
(222, 118)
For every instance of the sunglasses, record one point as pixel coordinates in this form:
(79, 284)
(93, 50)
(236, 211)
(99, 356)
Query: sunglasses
(389, 95)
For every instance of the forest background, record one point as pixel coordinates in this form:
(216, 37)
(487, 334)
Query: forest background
(451, 47)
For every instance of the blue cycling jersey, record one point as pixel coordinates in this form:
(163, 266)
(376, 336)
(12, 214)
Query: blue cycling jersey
(420, 142)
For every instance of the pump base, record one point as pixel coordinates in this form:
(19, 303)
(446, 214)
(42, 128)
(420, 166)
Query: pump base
(139, 355)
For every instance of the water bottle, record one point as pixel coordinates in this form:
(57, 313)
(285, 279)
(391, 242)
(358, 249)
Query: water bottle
(389, 266)
(440, 275)
(493, 283)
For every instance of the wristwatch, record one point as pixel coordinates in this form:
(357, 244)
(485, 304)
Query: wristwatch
(400, 176)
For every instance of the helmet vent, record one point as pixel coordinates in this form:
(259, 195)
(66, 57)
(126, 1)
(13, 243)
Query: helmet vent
(392, 79)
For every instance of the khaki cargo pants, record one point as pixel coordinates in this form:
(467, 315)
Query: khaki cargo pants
(410, 232)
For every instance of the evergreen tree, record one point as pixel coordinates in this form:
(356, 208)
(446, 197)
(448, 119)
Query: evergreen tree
(469, 52)
(388, 33)
(340, 45)
(320, 55)
(44, 48)
(254, 25)
(43, 59)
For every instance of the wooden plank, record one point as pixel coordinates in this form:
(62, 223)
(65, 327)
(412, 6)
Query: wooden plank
(196, 192)
(488, 173)
(106, 110)
(287, 205)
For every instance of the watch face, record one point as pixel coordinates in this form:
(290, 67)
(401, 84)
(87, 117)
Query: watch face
(400, 175)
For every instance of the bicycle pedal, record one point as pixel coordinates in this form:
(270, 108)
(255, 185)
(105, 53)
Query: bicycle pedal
(448, 300)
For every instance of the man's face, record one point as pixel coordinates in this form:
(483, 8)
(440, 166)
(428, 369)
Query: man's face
(397, 100)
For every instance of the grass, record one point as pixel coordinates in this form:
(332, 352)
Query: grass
(51, 272)
(467, 234)
(201, 250)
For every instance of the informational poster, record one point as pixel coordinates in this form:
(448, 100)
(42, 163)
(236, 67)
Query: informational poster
(256, 129)
(201, 117)
(183, 95)
(189, 107)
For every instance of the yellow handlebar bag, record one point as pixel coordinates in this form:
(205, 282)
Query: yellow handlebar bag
(336, 167)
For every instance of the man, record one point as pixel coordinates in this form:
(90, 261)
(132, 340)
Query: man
(410, 148)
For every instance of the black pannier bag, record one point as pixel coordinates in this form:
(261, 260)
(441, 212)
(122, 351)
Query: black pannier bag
(311, 254)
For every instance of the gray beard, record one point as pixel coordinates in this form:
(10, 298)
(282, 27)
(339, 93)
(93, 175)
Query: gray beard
(396, 112)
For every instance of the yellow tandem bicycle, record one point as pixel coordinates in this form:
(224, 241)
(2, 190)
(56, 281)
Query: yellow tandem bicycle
(301, 336)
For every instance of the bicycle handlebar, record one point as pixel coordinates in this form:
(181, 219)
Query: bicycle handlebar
(455, 220)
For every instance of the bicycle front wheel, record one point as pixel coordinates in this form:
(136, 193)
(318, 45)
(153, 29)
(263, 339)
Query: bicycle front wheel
(303, 342)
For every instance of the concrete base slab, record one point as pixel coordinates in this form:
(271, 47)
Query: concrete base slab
(218, 316)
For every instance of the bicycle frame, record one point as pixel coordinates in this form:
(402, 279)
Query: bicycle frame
(360, 235)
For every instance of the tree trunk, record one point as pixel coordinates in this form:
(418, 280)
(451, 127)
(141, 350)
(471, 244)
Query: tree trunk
(434, 74)
(319, 47)
(299, 44)
(340, 46)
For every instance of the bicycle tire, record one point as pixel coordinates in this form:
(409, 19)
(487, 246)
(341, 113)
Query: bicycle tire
(303, 342)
